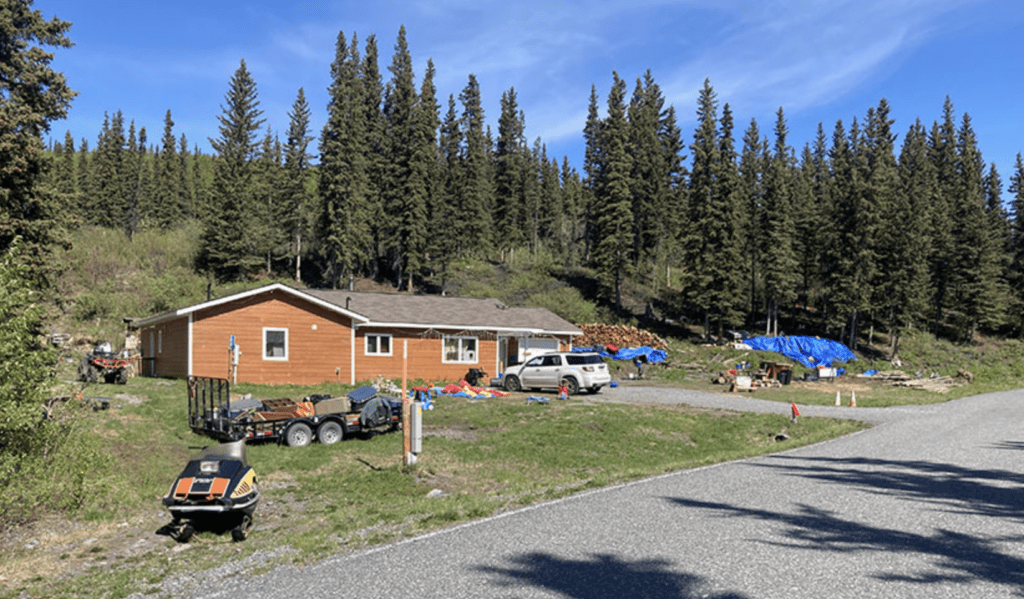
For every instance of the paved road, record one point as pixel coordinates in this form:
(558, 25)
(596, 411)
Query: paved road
(926, 504)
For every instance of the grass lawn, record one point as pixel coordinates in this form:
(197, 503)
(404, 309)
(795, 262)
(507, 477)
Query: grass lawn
(480, 457)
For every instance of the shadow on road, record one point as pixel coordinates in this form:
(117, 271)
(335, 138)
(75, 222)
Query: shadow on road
(962, 490)
(961, 558)
(603, 576)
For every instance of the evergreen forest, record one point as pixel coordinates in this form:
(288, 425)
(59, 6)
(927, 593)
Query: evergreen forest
(729, 228)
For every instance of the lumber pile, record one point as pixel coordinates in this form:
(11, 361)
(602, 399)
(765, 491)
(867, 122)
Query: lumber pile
(617, 335)
(934, 384)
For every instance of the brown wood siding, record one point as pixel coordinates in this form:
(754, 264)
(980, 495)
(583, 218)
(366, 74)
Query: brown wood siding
(426, 361)
(169, 351)
(318, 340)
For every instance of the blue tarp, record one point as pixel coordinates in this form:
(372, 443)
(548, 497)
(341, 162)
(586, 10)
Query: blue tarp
(809, 351)
(628, 353)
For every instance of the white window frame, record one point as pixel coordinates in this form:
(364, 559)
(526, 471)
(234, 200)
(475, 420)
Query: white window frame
(378, 337)
(160, 341)
(266, 330)
(466, 356)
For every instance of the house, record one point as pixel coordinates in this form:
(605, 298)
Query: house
(278, 334)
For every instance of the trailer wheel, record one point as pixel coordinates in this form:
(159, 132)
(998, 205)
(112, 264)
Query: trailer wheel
(329, 433)
(298, 435)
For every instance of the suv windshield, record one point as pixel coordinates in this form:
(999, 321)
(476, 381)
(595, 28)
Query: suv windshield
(578, 359)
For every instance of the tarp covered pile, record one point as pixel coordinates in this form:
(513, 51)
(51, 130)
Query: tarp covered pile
(628, 353)
(809, 351)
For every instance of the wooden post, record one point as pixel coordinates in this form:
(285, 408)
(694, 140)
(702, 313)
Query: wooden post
(407, 456)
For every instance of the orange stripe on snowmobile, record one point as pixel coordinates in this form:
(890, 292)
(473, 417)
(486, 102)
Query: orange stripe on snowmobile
(219, 486)
(184, 485)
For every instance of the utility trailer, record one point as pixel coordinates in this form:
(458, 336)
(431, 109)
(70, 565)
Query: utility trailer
(214, 413)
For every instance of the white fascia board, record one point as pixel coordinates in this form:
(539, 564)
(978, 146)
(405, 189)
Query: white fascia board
(246, 294)
(514, 330)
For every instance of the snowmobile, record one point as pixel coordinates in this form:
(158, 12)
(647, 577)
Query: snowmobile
(216, 491)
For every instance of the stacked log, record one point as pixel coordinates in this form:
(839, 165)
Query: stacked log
(617, 335)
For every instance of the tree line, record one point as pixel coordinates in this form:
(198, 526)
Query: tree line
(736, 231)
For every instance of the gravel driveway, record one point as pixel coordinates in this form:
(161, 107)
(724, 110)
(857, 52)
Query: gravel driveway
(927, 504)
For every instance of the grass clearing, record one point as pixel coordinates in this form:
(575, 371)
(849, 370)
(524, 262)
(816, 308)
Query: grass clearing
(480, 458)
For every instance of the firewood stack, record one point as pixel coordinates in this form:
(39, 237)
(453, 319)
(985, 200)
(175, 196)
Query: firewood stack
(617, 335)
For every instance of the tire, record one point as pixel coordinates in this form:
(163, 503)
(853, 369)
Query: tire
(329, 433)
(122, 376)
(512, 383)
(571, 385)
(298, 435)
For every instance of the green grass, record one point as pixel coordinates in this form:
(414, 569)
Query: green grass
(485, 456)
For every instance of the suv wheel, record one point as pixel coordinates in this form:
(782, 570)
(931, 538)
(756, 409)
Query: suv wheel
(571, 385)
(512, 383)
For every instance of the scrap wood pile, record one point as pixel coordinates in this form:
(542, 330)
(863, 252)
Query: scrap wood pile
(933, 383)
(619, 336)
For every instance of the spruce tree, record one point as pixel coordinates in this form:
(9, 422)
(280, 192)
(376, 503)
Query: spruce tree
(476, 197)
(228, 249)
(612, 196)
(444, 210)
(942, 152)
(908, 229)
(1015, 275)
(975, 279)
(107, 196)
(593, 162)
(569, 236)
(405, 188)
(170, 206)
(752, 163)
(426, 177)
(270, 235)
(32, 96)
(701, 245)
(510, 162)
(296, 198)
(779, 257)
(343, 226)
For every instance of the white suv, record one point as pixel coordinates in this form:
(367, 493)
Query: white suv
(578, 370)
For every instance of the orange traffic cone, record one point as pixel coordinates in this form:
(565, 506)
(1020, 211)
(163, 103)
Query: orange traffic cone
(853, 399)
(838, 403)
(796, 411)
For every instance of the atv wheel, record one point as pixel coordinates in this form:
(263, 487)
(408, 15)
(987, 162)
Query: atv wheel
(298, 435)
(512, 383)
(122, 376)
(329, 433)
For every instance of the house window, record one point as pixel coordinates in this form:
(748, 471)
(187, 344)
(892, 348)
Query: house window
(378, 345)
(460, 350)
(275, 344)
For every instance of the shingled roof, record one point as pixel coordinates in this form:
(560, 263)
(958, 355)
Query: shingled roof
(401, 309)
(410, 310)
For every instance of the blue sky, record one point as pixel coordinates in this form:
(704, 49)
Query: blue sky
(821, 61)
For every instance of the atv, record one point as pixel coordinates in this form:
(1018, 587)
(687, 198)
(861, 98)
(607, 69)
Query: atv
(102, 363)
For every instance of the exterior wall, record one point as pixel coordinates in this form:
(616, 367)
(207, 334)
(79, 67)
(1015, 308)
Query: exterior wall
(319, 346)
(167, 354)
(318, 343)
(426, 357)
